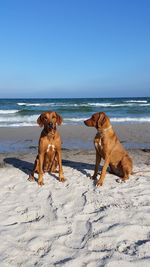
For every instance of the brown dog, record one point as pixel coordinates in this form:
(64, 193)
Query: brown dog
(49, 149)
(109, 148)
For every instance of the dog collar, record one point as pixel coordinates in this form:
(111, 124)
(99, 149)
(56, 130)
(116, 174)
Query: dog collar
(104, 130)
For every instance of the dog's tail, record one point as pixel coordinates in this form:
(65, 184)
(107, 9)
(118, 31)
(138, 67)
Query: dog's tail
(132, 173)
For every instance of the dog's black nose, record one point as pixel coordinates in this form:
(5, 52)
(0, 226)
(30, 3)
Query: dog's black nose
(50, 125)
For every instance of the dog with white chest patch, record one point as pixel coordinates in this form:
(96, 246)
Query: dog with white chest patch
(49, 150)
(109, 148)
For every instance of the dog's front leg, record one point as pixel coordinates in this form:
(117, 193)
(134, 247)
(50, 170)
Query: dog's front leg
(40, 176)
(35, 169)
(61, 174)
(97, 162)
(103, 173)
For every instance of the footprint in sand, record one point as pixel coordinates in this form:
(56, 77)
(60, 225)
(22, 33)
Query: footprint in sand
(82, 230)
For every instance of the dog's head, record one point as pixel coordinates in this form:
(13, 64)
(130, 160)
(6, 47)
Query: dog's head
(98, 120)
(49, 120)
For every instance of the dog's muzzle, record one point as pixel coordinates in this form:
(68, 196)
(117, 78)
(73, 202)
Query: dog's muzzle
(50, 125)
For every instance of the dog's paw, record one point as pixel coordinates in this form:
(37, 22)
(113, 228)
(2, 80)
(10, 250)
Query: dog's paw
(31, 178)
(62, 179)
(99, 183)
(93, 177)
(119, 180)
(40, 183)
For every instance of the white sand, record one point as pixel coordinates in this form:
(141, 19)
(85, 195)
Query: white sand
(73, 224)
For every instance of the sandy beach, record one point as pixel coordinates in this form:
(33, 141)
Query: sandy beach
(73, 223)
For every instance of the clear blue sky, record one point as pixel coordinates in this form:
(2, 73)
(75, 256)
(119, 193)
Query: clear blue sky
(74, 48)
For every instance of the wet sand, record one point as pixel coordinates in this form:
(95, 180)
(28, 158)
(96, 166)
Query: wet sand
(73, 137)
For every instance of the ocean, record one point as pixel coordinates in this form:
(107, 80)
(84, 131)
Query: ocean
(24, 112)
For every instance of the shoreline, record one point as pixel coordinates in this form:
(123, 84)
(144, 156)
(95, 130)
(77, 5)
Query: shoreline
(25, 139)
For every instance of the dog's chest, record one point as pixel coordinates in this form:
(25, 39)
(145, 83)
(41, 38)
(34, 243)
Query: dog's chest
(51, 148)
(98, 142)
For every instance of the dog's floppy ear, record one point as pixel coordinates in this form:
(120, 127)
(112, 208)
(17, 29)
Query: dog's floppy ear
(40, 121)
(59, 119)
(102, 119)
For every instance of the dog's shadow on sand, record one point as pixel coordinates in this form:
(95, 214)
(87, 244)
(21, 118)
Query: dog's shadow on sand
(20, 164)
(82, 167)
(27, 167)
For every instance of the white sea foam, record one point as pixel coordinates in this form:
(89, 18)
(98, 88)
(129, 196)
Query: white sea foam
(125, 104)
(110, 105)
(144, 105)
(23, 124)
(18, 121)
(74, 119)
(19, 118)
(99, 104)
(115, 119)
(33, 104)
(131, 119)
(31, 120)
(8, 111)
(136, 101)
